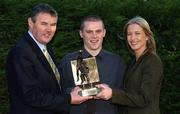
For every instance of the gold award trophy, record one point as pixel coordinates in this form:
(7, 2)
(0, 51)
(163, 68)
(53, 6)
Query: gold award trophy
(85, 74)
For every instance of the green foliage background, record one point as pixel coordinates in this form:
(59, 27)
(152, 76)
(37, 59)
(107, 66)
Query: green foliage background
(162, 15)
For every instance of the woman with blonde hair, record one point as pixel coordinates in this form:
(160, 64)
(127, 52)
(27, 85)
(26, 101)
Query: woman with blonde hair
(142, 83)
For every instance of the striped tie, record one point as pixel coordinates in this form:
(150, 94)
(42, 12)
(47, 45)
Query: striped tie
(53, 66)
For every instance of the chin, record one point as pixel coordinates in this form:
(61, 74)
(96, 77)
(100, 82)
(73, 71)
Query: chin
(134, 47)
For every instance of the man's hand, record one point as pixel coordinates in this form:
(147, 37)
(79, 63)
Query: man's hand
(77, 99)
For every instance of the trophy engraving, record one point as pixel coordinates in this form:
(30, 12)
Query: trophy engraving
(85, 74)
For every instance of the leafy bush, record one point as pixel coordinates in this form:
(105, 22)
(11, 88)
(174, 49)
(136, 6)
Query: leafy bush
(162, 15)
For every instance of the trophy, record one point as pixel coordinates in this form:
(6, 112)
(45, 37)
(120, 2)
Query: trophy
(85, 74)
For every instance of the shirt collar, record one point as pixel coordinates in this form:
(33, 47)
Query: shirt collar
(40, 45)
(87, 55)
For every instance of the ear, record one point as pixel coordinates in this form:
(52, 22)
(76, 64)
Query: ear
(80, 33)
(30, 22)
(104, 33)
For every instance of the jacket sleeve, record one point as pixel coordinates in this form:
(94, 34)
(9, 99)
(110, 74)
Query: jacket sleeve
(148, 89)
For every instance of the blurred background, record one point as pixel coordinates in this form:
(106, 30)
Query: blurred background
(162, 15)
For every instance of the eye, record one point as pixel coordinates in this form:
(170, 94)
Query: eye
(43, 23)
(54, 24)
(98, 31)
(137, 33)
(128, 34)
(88, 31)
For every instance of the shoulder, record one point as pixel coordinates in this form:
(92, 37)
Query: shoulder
(70, 56)
(21, 52)
(19, 48)
(152, 60)
(111, 55)
(152, 57)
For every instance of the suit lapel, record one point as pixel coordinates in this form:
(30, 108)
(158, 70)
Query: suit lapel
(40, 55)
(130, 71)
(133, 66)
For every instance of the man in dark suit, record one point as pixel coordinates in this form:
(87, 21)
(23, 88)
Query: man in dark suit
(33, 79)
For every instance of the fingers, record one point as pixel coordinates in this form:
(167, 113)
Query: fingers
(77, 88)
(102, 86)
(76, 98)
(105, 93)
(85, 98)
(82, 99)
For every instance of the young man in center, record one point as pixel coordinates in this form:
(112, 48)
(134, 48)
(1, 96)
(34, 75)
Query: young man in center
(111, 67)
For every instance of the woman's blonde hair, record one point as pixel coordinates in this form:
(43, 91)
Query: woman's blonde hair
(151, 45)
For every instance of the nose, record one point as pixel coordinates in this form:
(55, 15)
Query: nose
(94, 35)
(49, 28)
(132, 36)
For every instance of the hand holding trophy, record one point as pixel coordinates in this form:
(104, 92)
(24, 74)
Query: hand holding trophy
(85, 74)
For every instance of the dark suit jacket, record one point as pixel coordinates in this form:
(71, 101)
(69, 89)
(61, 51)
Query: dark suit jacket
(141, 86)
(32, 85)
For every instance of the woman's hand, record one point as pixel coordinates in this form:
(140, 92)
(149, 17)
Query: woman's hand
(105, 93)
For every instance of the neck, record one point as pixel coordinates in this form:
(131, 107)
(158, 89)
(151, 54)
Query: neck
(139, 53)
(93, 52)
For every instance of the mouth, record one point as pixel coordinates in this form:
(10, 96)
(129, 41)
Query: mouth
(47, 35)
(94, 41)
(133, 43)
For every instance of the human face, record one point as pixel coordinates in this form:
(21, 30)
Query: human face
(93, 34)
(43, 29)
(136, 38)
